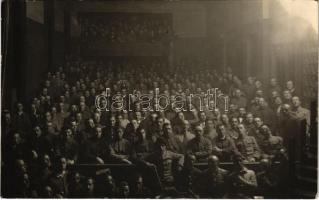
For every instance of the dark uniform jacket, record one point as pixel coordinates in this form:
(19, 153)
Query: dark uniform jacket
(164, 162)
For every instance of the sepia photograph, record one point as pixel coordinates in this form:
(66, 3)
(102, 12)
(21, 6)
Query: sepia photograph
(159, 99)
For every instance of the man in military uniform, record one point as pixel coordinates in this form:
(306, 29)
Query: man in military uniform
(189, 177)
(233, 131)
(255, 132)
(266, 113)
(214, 179)
(267, 179)
(270, 145)
(299, 113)
(301, 118)
(243, 181)
(247, 145)
(223, 146)
(200, 146)
(163, 159)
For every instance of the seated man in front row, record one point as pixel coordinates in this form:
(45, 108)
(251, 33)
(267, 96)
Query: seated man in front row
(214, 179)
(247, 145)
(98, 151)
(223, 146)
(243, 181)
(199, 146)
(163, 159)
(270, 145)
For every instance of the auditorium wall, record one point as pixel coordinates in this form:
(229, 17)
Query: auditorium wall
(213, 32)
(247, 36)
(293, 48)
(58, 44)
(37, 44)
(188, 19)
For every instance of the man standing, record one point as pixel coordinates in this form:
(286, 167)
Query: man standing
(301, 118)
(299, 113)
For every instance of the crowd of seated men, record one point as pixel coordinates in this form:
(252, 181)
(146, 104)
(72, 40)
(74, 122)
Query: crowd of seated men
(61, 127)
(132, 29)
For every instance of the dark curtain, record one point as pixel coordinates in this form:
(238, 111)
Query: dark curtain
(13, 51)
